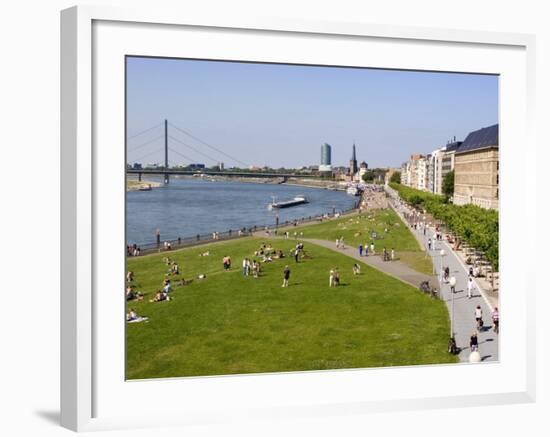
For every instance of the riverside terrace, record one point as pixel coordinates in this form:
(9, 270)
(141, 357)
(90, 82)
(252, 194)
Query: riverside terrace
(228, 322)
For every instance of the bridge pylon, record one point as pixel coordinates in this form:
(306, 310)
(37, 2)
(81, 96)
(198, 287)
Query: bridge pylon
(166, 175)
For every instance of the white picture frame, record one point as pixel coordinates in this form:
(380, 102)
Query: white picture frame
(91, 388)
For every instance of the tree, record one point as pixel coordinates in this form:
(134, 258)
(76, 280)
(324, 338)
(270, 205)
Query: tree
(368, 177)
(396, 177)
(448, 187)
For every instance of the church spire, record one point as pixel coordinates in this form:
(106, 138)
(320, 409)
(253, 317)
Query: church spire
(353, 162)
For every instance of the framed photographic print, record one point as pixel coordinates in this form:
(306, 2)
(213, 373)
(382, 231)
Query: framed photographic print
(306, 218)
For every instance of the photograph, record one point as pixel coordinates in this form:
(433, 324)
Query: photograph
(292, 217)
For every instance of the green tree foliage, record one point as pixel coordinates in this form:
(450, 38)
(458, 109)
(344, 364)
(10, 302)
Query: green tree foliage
(396, 177)
(478, 226)
(368, 177)
(448, 187)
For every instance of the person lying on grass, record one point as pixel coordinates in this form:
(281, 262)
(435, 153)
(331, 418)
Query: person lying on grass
(132, 317)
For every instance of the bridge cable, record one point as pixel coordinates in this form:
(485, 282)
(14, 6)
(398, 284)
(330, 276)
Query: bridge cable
(142, 132)
(192, 148)
(146, 155)
(209, 145)
(133, 149)
(181, 154)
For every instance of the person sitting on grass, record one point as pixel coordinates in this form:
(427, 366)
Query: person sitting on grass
(356, 269)
(175, 269)
(167, 286)
(226, 263)
(336, 278)
(160, 296)
(131, 294)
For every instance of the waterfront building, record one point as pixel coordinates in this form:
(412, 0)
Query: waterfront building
(430, 161)
(406, 173)
(326, 159)
(448, 158)
(477, 169)
(363, 168)
(436, 170)
(422, 173)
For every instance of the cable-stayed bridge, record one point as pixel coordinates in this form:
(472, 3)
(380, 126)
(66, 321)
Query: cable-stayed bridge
(157, 140)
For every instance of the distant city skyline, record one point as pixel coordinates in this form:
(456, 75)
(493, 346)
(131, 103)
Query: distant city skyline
(280, 115)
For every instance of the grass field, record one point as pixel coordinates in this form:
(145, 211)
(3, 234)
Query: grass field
(357, 229)
(229, 324)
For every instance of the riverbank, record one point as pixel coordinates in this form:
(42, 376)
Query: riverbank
(135, 185)
(303, 182)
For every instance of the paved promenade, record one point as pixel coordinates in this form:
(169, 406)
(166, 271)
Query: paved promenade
(462, 309)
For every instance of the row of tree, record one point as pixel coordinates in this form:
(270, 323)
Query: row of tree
(476, 225)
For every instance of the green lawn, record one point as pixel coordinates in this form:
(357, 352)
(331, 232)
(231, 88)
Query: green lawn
(228, 324)
(356, 229)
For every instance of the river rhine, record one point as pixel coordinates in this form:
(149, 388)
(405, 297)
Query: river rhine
(187, 207)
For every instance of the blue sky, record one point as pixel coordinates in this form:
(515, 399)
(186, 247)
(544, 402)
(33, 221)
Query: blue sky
(279, 115)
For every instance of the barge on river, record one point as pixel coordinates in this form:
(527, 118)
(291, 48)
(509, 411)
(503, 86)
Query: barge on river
(298, 200)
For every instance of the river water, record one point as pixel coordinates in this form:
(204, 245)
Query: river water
(187, 207)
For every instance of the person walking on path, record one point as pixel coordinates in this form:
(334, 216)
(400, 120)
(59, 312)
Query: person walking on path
(372, 248)
(429, 244)
(286, 276)
(470, 286)
(337, 243)
(479, 317)
(495, 318)
(360, 249)
(366, 249)
(392, 254)
(473, 342)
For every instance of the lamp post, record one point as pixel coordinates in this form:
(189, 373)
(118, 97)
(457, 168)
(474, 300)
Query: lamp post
(452, 283)
(442, 254)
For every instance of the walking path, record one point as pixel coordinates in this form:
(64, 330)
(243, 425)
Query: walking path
(461, 309)
(396, 269)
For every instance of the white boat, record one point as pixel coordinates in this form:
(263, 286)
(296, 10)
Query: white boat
(298, 200)
(353, 190)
